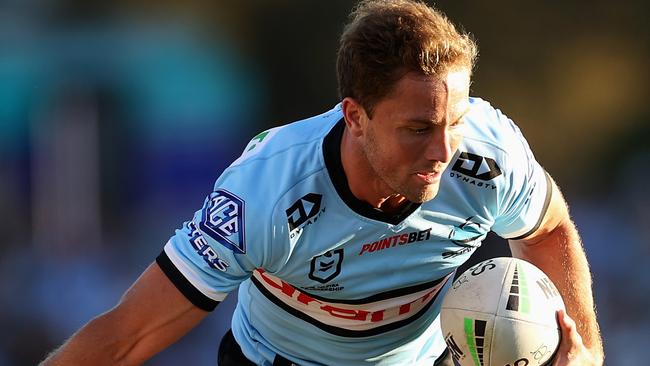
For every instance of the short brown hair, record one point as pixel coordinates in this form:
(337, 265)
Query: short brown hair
(385, 39)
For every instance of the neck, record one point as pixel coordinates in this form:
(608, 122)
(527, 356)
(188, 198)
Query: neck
(364, 183)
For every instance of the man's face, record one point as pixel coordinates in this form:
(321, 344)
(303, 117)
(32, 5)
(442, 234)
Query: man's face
(415, 131)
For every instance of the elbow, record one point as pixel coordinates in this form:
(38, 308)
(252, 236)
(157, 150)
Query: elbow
(99, 342)
(113, 343)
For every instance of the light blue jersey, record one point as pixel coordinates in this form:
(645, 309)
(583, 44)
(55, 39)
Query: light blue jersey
(324, 279)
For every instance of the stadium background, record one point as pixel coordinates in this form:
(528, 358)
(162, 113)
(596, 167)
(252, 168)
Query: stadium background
(116, 117)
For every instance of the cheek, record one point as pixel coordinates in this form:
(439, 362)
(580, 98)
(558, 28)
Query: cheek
(409, 147)
(392, 146)
(395, 155)
(409, 156)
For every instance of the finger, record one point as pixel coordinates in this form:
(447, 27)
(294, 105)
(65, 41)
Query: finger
(570, 341)
(569, 328)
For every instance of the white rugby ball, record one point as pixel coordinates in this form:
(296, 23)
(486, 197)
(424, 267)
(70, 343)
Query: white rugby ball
(502, 312)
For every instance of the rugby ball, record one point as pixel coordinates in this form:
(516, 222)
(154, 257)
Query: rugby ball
(502, 312)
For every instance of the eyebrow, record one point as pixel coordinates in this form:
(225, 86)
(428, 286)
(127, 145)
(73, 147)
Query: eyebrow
(428, 121)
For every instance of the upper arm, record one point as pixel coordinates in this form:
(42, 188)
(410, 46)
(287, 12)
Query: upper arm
(556, 214)
(151, 315)
(554, 240)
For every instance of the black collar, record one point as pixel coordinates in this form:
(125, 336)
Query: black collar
(332, 155)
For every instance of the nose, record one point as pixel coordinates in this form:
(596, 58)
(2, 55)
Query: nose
(439, 147)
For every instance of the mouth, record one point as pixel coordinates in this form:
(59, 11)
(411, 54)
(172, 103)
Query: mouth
(429, 177)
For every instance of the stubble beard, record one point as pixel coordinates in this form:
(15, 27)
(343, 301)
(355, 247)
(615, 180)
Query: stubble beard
(396, 184)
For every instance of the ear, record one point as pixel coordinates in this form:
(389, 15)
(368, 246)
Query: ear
(355, 116)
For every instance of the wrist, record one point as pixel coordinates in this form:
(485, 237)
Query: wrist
(597, 355)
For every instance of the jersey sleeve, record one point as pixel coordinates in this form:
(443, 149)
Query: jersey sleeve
(524, 199)
(225, 241)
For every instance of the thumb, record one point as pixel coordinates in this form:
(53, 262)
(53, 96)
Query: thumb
(570, 339)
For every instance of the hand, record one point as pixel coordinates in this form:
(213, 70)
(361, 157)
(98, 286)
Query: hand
(572, 352)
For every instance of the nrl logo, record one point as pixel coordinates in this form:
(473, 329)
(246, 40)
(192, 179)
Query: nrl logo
(326, 266)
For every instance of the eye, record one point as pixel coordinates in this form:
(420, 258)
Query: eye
(420, 131)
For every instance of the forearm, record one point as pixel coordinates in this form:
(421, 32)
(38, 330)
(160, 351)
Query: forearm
(560, 255)
(151, 315)
(94, 344)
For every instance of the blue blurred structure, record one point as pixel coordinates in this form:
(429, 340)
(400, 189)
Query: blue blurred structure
(112, 134)
(116, 118)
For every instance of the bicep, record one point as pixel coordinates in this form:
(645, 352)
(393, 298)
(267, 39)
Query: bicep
(153, 314)
(556, 214)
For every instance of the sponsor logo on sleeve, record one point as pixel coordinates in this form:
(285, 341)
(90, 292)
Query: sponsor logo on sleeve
(204, 249)
(222, 219)
(475, 169)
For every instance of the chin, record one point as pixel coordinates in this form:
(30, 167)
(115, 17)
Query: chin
(423, 195)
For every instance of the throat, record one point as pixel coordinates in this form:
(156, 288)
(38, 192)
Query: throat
(393, 204)
(356, 185)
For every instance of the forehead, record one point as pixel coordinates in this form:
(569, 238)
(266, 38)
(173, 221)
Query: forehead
(452, 84)
(435, 97)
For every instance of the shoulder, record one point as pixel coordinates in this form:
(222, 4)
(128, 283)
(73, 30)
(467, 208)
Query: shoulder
(489, 125)
(252, 198)
(496, 168)
(489, 133)
(276, 161)
(493, 161)
(289, 140)
(286, 150)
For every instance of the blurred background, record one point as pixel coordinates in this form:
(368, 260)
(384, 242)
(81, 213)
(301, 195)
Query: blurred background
(117, 117)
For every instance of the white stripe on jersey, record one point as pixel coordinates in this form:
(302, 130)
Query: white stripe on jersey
(188, 271)
(353, 317)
